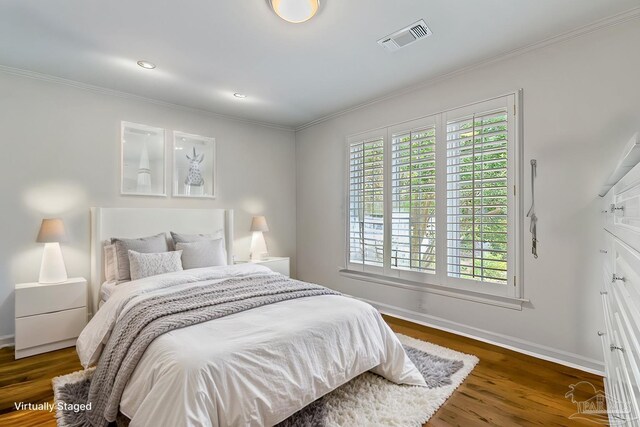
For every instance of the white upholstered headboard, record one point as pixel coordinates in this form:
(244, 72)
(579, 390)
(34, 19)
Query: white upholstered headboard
(140, 222)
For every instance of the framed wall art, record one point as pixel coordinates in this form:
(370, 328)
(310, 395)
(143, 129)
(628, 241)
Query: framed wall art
(194, 165)
(142, 160)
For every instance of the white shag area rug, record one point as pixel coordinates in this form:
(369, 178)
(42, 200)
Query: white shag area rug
(370, 400)
(367, 400)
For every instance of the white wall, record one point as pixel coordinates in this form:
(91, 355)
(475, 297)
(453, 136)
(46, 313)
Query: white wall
(60, 155)
(581, 105)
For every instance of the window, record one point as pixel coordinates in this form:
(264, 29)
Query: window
(477, 187)
(366, 201)
(413, 200)
(434, 202)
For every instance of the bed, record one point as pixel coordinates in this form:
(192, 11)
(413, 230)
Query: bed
(251, 367)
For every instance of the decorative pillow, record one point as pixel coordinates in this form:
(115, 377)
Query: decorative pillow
(151, 264)
(151, 244)
(110, 263)
(202, 253)
(188, 238)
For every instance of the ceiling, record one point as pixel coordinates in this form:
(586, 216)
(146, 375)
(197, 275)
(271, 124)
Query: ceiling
(291, 73)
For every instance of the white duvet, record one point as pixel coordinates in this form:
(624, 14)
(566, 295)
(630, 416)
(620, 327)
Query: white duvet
(252, 368)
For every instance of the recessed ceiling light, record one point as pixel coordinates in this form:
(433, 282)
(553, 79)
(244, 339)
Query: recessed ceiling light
(240, 95)
(295, 11)
(146, 64)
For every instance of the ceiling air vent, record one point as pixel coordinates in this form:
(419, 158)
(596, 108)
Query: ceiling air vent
(405, 36)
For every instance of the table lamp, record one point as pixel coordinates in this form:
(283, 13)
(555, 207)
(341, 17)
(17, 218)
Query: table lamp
(52, 269)
(258, 244)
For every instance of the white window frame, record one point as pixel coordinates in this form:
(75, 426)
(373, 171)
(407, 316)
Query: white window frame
(512, 293)
(407, 127)
(357, 266)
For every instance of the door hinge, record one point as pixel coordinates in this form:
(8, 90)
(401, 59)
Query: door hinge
(514, 109)
(514, 190)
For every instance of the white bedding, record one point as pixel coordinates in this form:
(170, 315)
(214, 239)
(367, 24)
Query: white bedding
(256, 367)
(106, 289)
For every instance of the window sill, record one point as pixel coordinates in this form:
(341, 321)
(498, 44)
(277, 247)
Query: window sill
(495, 300)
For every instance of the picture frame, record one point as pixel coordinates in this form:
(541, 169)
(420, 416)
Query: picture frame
(194, 166)
(142, 160)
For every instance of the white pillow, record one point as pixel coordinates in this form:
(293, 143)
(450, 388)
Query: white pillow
(145, 265)
(202, 253)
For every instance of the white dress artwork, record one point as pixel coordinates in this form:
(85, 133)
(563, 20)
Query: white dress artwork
(144, 172)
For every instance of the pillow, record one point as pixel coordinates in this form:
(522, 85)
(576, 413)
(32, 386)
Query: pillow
(151, 244)
(202, 253)
(151, 264)
(110, 263)
(188, 238)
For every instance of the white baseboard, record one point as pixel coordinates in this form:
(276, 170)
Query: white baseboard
(516, 344)
(7, 341)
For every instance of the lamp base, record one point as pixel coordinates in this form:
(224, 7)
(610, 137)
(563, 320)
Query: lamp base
(258, 247)
(52, 269)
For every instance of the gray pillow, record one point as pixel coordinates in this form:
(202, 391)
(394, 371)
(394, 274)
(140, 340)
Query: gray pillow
(188, 238)
(202, 253)
(152, 264)
(151, 244)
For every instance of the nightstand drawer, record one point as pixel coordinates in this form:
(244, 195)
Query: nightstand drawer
(38, 299)
(48, 328)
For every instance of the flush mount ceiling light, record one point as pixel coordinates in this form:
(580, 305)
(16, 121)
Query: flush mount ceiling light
(295, 11)
(240, 95)
(146, 64)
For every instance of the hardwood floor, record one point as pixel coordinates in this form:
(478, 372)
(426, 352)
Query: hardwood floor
(505, 389)
(29, 380)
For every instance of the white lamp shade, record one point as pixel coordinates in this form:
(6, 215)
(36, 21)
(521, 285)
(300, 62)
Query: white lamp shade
(259, 223)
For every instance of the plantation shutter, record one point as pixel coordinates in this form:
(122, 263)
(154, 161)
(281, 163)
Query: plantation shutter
(366, 201)
(432, 202)
(413, 198)
(478, 195)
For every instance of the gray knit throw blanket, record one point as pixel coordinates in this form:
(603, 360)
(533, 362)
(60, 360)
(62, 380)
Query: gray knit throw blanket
(152, 317)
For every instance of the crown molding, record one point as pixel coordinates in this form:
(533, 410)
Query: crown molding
(598, 25)
(112, 92)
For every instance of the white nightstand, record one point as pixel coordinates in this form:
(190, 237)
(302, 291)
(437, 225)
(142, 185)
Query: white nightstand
(277, 264)
(49, 316)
